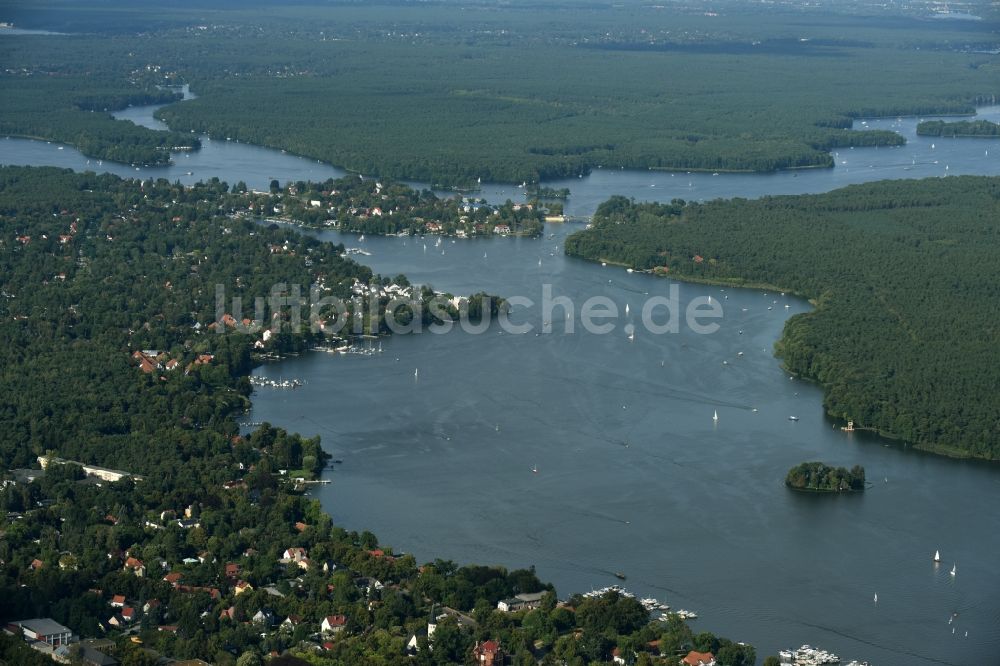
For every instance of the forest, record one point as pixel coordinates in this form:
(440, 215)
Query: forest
(75, 112)
(903, 276)
(819, 477)
(102, 280)
(514, 94)
(981, 128)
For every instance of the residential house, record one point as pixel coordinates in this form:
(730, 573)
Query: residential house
(368, 585)
(291, 622)
(333, 624)
(488, 653)
(118, 601)
(413, 645)
(461, 619)
(263, 618)
(698, 659)
(294, 554)
(135, 566)
(242, 587)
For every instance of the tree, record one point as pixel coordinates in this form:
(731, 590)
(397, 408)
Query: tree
(248, 659)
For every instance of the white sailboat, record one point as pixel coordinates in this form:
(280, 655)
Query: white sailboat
(954, 569)
(362, 238)
(937, 555)
(626, 309)
(876, 597)
(715, 416)
(416, 373)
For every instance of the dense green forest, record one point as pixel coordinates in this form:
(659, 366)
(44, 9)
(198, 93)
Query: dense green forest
(904, 277)
(105, 287)
(818, 477)
(74, 110)
(516, 93)
(982, 128)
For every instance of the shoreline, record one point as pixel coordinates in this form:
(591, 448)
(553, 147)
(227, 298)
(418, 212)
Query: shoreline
(463, 188)
(934, 449)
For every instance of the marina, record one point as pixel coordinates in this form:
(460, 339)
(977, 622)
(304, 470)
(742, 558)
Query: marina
(275, 383)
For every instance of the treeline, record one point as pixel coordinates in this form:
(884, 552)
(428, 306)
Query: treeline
(94, 269)
(958, 128)
(904, 275)
(426, 105)
(76, 111)
(819, 477)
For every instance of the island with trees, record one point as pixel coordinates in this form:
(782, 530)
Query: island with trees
(822, 478)
(961, 128)
(904, 276)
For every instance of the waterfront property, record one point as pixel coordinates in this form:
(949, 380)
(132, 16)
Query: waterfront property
(521, 602)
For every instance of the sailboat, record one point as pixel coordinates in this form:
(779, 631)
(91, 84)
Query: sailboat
(954, 569)
(626, 309)
(715, 416)
(416, 372)
(534, 469)
(937, 555)
(876, 597)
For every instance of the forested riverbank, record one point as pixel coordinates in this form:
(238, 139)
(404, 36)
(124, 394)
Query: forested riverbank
(727, 99)
(903, 275)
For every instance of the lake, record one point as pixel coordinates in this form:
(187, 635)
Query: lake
(586, 454)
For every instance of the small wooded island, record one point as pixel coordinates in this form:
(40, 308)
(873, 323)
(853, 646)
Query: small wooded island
(819, 477)
(976, 128)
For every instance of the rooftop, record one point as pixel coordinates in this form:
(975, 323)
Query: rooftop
(43, 626)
